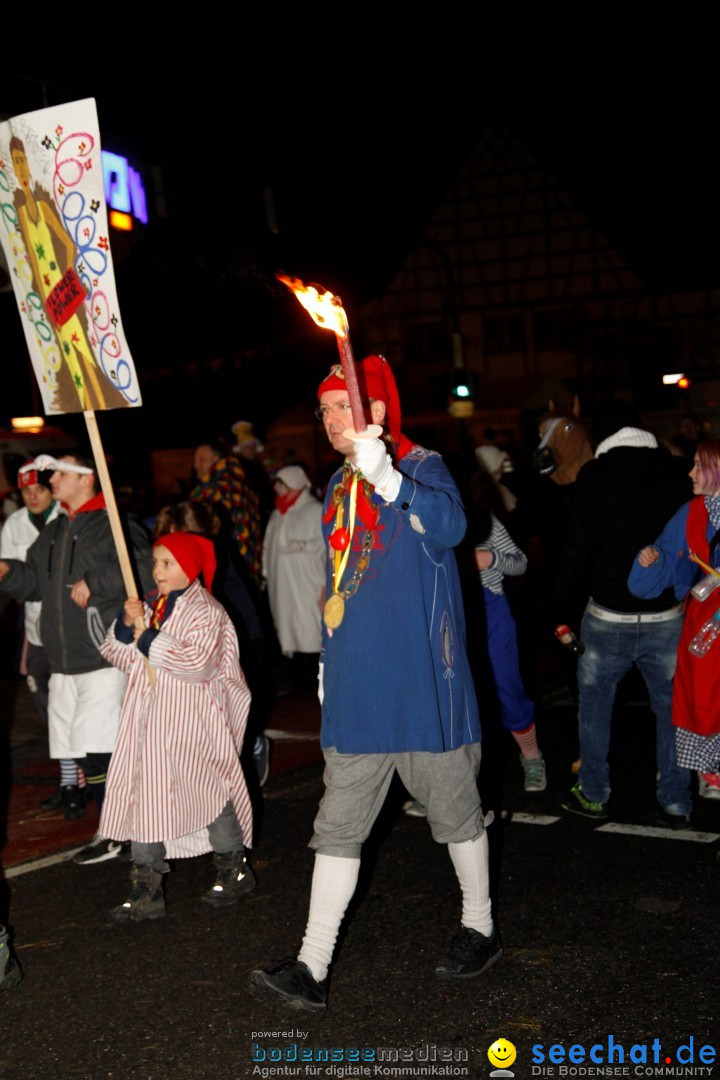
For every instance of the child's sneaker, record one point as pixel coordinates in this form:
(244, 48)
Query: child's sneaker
(99, 851)
(414, 808)
(709, 785)
(535, 773)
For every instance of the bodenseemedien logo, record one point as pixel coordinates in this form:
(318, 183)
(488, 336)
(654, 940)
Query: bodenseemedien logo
(502, 1054)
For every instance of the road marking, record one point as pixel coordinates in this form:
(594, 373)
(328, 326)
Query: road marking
(655, 832)
(531, 819)
(660, 833)
(651, 831)
(40, 864)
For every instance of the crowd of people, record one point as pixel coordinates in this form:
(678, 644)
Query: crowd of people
(156, 704)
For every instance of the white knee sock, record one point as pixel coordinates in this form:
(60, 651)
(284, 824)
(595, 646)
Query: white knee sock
(470, 860)
(333, 883)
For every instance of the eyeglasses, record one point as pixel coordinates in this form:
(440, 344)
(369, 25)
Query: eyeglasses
(342, 408)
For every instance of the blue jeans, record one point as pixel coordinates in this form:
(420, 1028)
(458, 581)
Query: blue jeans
(610, 651)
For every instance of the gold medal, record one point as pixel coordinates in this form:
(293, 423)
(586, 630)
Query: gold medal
(334, 611)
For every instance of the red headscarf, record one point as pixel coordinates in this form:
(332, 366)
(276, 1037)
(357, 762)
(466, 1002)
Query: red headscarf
(376, 381)
(194, 553)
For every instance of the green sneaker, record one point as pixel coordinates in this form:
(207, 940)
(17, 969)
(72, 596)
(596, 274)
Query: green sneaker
(577, 803)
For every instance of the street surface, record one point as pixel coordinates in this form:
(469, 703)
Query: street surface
(605, 933)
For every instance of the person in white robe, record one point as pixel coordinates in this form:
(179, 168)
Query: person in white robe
(294, 564)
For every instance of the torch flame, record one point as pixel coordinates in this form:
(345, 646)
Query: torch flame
(326, 310)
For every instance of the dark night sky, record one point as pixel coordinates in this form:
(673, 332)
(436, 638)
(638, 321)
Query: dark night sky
(356, 169)
(359, 156)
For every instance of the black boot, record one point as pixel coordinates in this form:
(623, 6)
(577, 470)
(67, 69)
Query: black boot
(53, 802)
(234, 879)
(73, 802)
(146, 900)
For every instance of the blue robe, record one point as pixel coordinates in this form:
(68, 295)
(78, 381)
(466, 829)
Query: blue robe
(674, 566)
(396, 675)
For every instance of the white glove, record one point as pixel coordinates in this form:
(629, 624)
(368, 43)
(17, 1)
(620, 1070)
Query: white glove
(374, 462)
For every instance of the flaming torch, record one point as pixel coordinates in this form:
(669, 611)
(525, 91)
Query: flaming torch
(327, 311)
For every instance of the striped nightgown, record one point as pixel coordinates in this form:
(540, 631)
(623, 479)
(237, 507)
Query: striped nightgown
(176, 763)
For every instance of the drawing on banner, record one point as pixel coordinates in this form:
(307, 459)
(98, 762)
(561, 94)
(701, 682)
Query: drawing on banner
(54, 231)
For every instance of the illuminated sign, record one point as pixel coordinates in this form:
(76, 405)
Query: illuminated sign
(124, 188)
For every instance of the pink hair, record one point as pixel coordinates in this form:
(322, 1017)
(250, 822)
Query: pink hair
(708, 455)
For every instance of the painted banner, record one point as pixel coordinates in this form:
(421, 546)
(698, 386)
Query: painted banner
(54, 233)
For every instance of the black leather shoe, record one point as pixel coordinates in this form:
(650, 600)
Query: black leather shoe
(291, 983)
(53, 802)
(676, 822)
(470, 954)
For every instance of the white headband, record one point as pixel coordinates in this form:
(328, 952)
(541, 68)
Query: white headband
(45, 461)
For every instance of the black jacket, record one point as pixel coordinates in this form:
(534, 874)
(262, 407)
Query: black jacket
(67, 551)
(622, 502)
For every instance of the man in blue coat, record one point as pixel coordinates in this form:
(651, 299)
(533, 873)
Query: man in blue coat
(395, 683)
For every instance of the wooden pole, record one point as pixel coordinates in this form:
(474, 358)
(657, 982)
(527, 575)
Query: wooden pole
(108, 492)
(115, 523)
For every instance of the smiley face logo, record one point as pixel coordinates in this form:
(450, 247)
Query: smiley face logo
(502, 1054)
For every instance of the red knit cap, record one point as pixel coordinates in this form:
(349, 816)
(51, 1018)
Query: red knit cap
(194, 553)
(376, 381)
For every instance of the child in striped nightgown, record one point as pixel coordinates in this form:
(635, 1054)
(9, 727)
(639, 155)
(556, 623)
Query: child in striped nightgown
(175, 786)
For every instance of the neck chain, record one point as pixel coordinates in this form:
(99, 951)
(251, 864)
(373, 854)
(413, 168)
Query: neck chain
(341, 542)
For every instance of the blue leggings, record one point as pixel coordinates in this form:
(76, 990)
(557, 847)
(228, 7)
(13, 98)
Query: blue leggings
(516, 708)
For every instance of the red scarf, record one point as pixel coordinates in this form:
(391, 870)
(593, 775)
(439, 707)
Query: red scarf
(284, 502)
